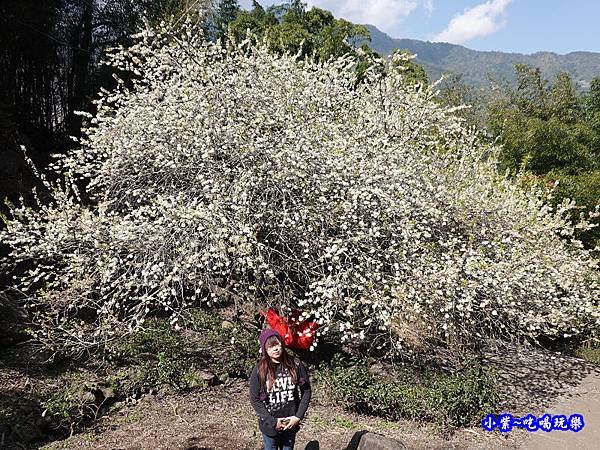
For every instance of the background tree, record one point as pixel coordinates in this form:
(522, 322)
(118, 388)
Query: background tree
(593, 100)
(29, 55)
(548, 130)
(453, 91)
(289, 27)
(542, 127)
(531, 94)
(563, 102)
(158, 10)
(226, 13)
(50, 55)
(34, 90)
(414, 74)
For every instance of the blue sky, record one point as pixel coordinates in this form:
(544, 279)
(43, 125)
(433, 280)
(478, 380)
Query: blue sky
(523, 26)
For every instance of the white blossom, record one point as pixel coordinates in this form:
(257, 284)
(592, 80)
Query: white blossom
(233, 173)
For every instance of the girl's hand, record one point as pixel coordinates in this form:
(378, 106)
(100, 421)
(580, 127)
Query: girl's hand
(279, 426)
(292, 423)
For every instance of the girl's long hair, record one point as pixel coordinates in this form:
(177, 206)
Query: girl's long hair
(266, 367)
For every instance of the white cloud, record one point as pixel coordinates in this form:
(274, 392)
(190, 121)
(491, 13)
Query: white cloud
(428, 5)
(478, 21)
(384, 14)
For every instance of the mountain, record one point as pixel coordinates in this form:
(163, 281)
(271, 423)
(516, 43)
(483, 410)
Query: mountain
(475, 66)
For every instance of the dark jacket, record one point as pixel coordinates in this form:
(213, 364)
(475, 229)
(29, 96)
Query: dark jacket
(286, 399)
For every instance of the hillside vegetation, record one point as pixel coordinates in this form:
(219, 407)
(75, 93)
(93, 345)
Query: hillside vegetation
(477, 66)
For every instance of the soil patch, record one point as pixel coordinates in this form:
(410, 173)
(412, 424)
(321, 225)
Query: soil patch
(221, 418)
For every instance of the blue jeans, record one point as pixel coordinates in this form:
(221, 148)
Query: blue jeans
(284, 440)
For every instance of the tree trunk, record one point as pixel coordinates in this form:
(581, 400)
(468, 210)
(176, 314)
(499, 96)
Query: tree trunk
(82, 55)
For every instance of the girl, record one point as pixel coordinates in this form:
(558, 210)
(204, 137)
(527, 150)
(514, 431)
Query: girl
(279, 392)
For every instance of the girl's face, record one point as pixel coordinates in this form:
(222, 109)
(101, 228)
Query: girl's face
(274, 351)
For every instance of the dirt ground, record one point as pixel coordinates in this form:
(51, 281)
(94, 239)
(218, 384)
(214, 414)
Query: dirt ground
(583, 399)
(221, 417)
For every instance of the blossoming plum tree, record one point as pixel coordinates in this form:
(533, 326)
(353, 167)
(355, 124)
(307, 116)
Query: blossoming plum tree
(226, 170)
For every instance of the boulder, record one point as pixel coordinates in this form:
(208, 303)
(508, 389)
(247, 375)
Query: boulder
(226, 325)
(365, 440)
(209, 378)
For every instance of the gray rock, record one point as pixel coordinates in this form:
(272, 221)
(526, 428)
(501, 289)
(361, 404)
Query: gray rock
(209, 378)
(226, 324)
(373, 441)
(364, 440)
(86, 397)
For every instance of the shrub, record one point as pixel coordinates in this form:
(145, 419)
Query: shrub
(450, 400)
(161, 355)
(68, 406)
(464, 397)
(230, 351)
(590, 351)
(584, 189)
(157, 336)
(228, 171)
(67, 399)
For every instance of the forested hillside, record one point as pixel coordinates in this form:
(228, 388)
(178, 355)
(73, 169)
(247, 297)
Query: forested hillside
(477, 66)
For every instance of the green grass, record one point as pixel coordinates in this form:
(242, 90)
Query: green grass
(64, 404)
(147, 360)
(317, 420)
(344, 423)
(589, 353)
(161, 355)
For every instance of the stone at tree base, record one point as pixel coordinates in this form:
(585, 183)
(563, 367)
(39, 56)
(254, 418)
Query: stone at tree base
(86, 396)
(210, 378)
(226, 324)
(365, 440)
